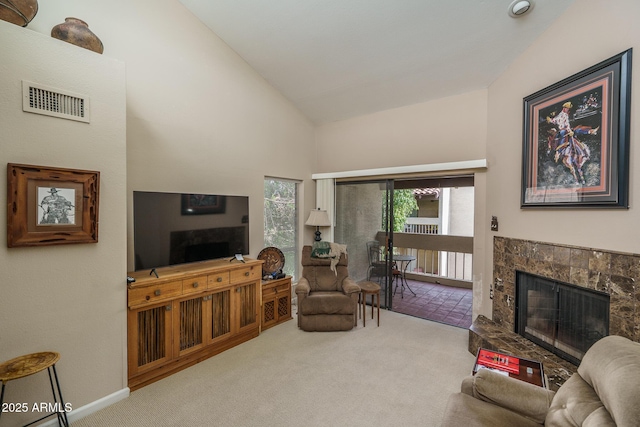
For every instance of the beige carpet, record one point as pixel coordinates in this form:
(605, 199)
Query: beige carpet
(398, 374)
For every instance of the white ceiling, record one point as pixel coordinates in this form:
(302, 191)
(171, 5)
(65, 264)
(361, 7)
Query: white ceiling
(337, 59)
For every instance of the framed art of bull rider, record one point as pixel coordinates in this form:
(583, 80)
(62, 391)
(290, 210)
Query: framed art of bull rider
(576, 139)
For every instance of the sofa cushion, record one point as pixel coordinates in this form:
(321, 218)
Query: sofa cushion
(574, 403)
(327, 303)
(465, 411)
(612, 367)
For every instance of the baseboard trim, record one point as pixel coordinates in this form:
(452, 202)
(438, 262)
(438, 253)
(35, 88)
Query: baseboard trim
(92, 407)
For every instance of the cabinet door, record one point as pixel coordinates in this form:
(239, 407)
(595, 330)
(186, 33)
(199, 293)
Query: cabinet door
(269, 312)
(284, 305)
(276, 302)
(246, 303)
(149, 337)
(218, 312)
(189, 324)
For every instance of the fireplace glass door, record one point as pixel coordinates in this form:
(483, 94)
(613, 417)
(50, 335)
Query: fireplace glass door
(562, 318)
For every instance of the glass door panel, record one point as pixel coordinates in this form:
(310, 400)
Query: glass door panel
(362, 223)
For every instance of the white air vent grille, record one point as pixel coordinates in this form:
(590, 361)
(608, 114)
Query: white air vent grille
(40, 99)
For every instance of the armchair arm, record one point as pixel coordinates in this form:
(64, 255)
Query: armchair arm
(349, 286)
(518, 396)
(303, 288)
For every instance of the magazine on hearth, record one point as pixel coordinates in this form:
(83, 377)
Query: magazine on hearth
(499, 361)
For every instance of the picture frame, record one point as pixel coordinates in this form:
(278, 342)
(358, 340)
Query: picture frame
(51, 206)
(576, 139)
(203, 204)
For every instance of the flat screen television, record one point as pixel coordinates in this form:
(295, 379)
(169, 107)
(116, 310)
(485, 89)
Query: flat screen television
(175, 228)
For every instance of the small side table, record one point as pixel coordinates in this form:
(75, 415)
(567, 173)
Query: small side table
(30, 364)
(373, 289)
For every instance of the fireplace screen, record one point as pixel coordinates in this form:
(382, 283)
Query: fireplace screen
(562, 318)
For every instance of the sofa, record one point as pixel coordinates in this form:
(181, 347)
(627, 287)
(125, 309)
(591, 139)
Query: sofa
(605, 391)
(327, 296)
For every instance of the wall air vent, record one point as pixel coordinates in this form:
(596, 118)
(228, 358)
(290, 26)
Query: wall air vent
(45, 100)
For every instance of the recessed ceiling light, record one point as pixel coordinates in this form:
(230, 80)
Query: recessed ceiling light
(517, 8)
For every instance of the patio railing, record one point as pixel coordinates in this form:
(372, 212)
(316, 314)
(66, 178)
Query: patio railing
(422, 225)
(439, 258)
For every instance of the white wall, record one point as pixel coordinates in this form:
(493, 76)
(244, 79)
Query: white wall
(446, 130)
(563, 50)
(488, 124)
(198, 119)
(65, 298)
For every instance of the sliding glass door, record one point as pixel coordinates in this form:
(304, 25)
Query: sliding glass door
(363, 218)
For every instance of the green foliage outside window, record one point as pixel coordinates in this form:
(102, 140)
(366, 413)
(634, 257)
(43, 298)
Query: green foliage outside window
(404, 204)
(280, 220)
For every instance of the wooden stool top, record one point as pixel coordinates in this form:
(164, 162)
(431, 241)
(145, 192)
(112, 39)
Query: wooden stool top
(369, 287)
(26, 365)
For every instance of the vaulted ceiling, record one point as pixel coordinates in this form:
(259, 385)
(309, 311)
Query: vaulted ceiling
(337, 59)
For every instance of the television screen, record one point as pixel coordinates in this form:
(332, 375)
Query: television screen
(174, 228)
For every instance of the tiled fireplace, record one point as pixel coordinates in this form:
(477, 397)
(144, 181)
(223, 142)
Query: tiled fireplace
(613, 273)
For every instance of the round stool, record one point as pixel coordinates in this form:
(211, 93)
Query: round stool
(373, 289)
(30, 364)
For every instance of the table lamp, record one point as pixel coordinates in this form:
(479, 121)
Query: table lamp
(318, 218)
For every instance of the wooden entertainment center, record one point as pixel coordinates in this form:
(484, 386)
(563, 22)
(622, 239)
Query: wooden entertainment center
(191, 312)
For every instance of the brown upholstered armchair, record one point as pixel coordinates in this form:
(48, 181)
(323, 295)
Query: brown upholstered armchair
(327, 300)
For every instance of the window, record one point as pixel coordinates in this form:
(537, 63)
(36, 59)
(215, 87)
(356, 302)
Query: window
(281, 220)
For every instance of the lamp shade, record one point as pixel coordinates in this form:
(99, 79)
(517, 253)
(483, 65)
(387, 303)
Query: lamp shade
(318, 218)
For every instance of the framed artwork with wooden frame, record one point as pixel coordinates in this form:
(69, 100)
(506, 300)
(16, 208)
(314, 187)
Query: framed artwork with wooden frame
(51, 206)
(576, 139)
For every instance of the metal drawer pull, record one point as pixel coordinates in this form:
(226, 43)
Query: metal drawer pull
(195, 284)
(157, 292)
(246, 273)
(168, 307)
(219, 279)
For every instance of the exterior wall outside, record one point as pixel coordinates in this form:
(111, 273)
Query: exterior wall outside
(461, 211)
(428, 207)
(65, 298)
(357, 222)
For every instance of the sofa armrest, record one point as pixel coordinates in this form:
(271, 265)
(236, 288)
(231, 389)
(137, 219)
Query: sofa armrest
(467, 385)
(303, 288)
(349, 286)
(518, 396)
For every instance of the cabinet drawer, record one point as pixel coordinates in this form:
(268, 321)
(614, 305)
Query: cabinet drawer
(246, 274)
(275, 290)
(150, 294)
(194, 284)
(217, 279)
